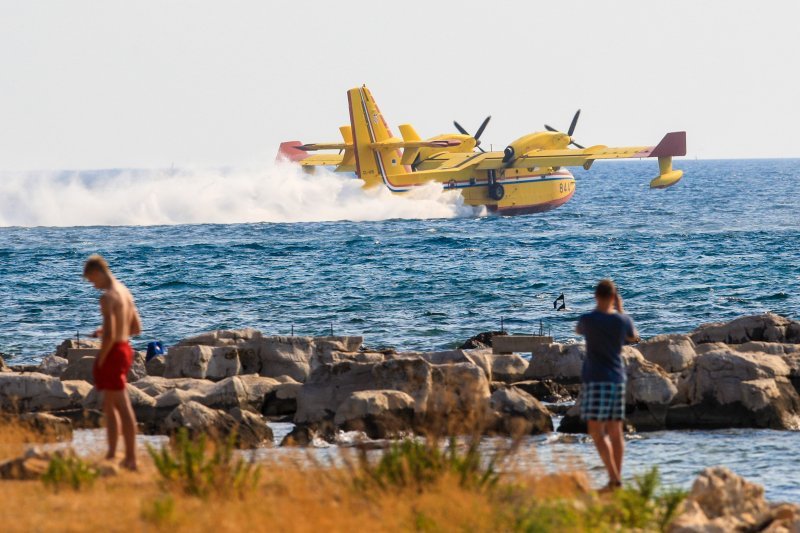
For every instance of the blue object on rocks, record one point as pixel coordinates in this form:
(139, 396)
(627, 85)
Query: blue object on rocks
(154, 349)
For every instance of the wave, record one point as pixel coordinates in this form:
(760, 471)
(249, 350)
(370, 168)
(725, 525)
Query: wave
(277, 193)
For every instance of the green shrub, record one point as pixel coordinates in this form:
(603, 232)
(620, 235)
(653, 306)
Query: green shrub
(69, 470)
(415, 463)
(199, 468)
(160, 511)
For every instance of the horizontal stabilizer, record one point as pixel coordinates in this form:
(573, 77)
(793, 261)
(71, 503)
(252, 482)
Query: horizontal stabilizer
(291, 151)
(322, 146)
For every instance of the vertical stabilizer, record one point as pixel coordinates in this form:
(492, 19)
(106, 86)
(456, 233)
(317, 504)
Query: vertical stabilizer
(368, 127)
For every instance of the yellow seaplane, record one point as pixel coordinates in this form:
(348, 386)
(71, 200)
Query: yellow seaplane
(529, 176)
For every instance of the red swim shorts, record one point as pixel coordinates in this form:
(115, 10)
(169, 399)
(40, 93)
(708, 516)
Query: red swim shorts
(112, 375)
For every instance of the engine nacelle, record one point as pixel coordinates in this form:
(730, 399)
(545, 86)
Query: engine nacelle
(543, 140)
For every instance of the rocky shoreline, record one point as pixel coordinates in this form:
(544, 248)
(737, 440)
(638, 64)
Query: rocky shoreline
(744, 373)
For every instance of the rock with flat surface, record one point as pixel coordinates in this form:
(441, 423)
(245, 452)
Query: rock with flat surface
(40, 392)
(52, 365)
(48, 427)
(722, 501)
(187, 361)
(81, 369)
(156, 366)
(726, 388)
(224, 363)
(673, 353)
(77, 344)
(478, 357)
(545, 390)
(215, 423)
(519, 413)
(559, 362)
(768, 327)
(330, 385)
(508, 368)
(378, 413)
(222, 337)
(252, 430)
(281, 400)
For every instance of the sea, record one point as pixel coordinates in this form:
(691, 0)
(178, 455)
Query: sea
(273, 248)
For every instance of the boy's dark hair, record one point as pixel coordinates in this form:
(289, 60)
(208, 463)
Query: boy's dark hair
(605, 289)
(96, 263)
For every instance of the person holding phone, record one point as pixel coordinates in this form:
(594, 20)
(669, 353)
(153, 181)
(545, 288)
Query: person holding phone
(602, 400)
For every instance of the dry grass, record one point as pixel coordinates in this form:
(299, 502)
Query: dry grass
(15, 439)
(301, 496)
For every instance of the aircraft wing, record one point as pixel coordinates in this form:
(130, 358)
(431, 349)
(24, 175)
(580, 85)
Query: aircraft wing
(673, 144)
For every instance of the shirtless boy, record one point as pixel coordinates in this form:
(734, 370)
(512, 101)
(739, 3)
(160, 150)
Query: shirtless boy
(120, 321)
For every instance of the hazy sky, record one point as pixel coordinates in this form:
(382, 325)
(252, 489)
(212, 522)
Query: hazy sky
(97, 84)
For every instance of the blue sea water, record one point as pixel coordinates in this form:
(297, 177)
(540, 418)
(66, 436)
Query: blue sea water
(722, 243)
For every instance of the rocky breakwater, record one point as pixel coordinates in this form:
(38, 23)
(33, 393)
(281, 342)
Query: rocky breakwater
(236, 380)
(743, 373)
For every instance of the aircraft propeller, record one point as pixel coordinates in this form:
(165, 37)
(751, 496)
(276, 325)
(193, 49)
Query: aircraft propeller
(478, 133)
(571, 129)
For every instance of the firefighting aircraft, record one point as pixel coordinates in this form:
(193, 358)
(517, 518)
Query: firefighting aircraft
(527, 177)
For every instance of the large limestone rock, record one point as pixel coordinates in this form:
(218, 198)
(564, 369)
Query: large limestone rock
(201, 420)
(53, 365)
(222, 337)
(39, 392)
(767, 327)
(508, 368)
(281, 400)
(726, 388)
(459, 398)
(76, 344)
(330, 385)
(673, 353)
(155, 385)
(648, 392)
(479, 357)
(519, 413)
(560, 362)
(378, 413)
(156, 366)
(772, 348)
(297, 356)
(252, 430)
(721, 501)
(224, 363)
(545, 390)
(81, 369)
(143, 404)
(30, 466)
(48, 427)
(187, 361)
(290, 356)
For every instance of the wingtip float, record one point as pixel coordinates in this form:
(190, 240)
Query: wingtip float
(529, 176)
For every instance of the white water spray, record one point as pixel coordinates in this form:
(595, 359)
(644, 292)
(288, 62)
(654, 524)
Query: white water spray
(277, 193)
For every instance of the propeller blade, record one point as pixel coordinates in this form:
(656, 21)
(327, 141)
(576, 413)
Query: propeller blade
(459, 128)
(549, 128)
(571, 129)
(483, 127)
(481, 149)
(576, 145)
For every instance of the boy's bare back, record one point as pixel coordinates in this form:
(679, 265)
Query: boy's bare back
(120, 316)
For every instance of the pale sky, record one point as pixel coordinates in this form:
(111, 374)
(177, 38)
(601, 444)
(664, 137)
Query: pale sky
(100, 84)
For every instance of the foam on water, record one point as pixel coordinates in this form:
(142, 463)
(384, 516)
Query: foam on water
(276, 193)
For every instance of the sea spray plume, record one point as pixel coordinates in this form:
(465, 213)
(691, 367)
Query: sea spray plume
(274, 193)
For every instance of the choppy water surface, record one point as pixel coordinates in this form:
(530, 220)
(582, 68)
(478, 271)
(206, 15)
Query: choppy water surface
(722, 243)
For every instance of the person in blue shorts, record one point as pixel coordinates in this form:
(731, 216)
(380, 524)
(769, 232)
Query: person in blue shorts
(602, 401)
